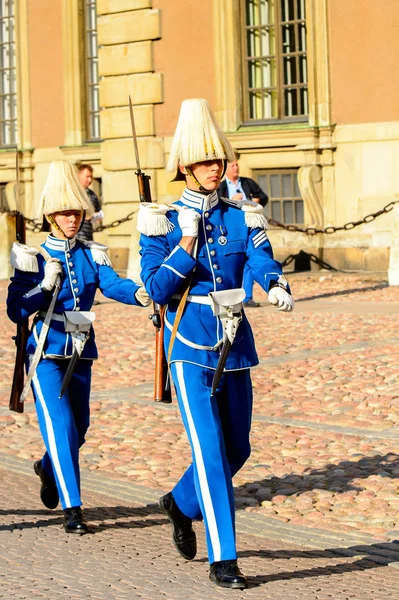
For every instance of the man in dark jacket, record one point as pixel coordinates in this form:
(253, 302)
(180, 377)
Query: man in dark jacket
(85, 174)
(242, 188)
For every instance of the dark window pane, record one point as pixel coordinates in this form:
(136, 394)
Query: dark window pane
(302, 37)
(288, 10)
(304, 101)
(299, 212)
(263, 182)
(301, 8)
(276, 211)
(3, 199)
(290, 74)
(290, 102)
(288, 211)
(288, 32)
(303, 69)
(275, 186)
(287, 186)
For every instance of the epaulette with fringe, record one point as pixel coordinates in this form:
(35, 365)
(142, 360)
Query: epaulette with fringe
(152, 219)
(24, 258)
(254, 216)
(99, 252)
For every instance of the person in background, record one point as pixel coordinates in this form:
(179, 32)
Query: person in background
(79, 268)
(85, 175)
(242, 188)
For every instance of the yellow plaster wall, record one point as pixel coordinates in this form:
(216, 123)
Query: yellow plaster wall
(46, 73)
(185, 55)
(364, 47)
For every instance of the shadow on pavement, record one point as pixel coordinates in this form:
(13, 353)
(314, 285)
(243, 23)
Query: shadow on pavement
(331, 477)
(371, 288)
(375, 556)
(118, 517)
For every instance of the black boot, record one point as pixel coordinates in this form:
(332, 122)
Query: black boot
(183, 534)
(227, 574)
(48, 490)
(74, 521)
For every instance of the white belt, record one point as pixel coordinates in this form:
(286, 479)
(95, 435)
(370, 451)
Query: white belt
(194, 298)
(54, 316)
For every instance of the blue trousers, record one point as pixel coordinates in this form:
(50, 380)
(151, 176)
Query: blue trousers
(248, 283)
(218, 429)
(63, 423)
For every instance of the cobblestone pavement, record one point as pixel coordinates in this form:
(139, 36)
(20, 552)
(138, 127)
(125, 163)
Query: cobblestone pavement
(128, 555)
(325, 437)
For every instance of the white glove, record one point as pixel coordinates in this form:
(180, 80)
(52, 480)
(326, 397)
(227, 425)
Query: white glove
(52, 270)
(142, 296)
(281, 299)
(188, 219)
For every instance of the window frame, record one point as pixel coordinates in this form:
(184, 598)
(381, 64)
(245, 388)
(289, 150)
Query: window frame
(89, 87)
(11, 67)
(279, 60)
(293, 198)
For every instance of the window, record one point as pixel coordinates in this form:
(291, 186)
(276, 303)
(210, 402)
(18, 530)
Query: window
(285, 201)
(8, 78)
(3, 199)
(92, 77)
(274, 60)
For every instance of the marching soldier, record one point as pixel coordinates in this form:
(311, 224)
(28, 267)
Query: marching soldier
(193, 259)
(57, 283)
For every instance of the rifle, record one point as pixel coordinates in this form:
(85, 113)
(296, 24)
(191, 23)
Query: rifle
(21, 337)
(162, 391)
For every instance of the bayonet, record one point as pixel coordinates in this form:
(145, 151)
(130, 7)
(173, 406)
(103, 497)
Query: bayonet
(162, 391)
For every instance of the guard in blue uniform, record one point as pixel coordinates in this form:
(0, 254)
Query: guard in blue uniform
(57, 283)
(193, 258)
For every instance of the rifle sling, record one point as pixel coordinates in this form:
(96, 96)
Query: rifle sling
(179, 313)
(43, 333)
(181, 307)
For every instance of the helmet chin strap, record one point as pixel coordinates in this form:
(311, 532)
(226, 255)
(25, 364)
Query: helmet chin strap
(200, 186)
(52, 222)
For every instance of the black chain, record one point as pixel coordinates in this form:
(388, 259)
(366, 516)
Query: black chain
(35, 226)
(331, 228)
(128, 217)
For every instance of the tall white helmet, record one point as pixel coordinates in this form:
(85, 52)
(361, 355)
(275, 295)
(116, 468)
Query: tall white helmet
(197, 137)
(63, 191)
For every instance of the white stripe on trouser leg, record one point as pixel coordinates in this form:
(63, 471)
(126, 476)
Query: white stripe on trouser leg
(199, 461)
(51, 440)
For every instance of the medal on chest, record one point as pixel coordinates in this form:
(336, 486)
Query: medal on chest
(222, 239)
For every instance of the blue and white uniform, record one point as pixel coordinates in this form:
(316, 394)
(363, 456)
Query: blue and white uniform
(231, 235)
(63, 421)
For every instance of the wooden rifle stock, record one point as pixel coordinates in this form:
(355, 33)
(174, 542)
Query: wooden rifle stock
(21, 337)
(143, 181)
(162, 391)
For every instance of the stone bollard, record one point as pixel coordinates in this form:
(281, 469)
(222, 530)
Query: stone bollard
(7, 237)
(393, 271)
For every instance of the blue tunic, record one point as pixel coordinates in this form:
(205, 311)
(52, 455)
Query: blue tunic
(82, 276)
(225, 244)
